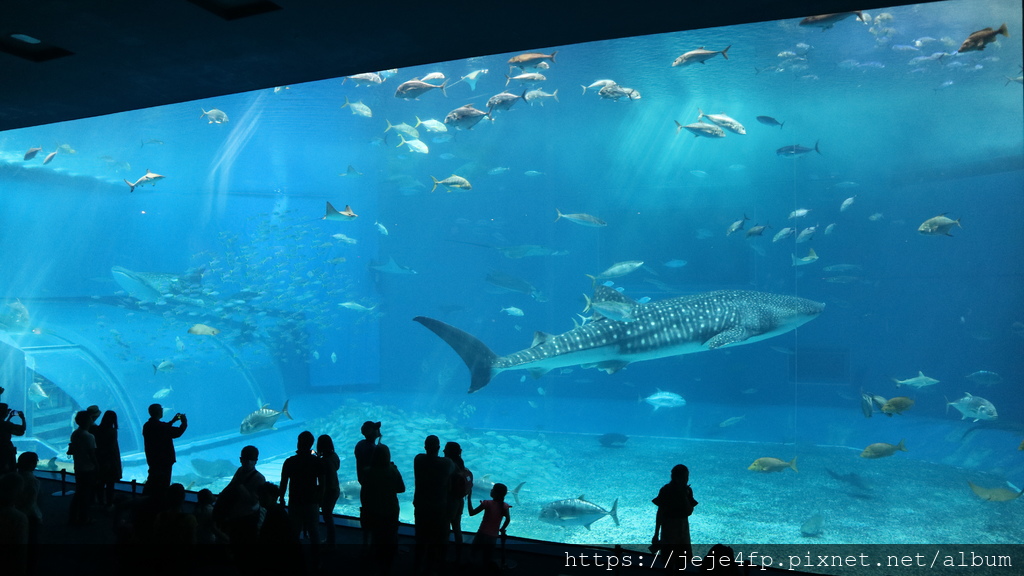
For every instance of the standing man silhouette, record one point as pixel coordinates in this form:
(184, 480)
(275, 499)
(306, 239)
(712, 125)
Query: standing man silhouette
(158, 439)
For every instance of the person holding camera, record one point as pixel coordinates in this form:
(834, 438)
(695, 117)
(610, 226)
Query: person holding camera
(158, 440)
(8, 453)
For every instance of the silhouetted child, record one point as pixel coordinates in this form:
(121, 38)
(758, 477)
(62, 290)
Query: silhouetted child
(206, 531)
(13, 527)
(672, 524)
(279, 550)
(27, 501)
(494, 510)
(720, 559)
(174, 534)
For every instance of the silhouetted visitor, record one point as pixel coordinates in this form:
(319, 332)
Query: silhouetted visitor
(721, 559)
(174, 533)
(430, 500)
(13, 527)
(27, 501)
(460, 489)
(330, 463)
(380, 507)
(8, 452)
(279, 551)
(108, 457)
(672, 524)
(175, 528)
(94, 415)
(491, 525)
(302, 478)
(237, 510)
(207, 532)
(364, 456)
(83, 449)
(158, 439)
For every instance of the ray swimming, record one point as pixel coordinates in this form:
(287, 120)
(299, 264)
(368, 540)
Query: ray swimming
(659, 329)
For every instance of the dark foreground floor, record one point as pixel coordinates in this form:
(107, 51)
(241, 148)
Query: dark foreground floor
(93, 549)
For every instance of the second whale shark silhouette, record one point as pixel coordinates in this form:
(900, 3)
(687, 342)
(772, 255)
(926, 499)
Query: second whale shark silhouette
(659, 329)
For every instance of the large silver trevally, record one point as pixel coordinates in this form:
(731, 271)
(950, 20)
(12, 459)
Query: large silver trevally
(263, 419)
(975, 407)
(465, 117)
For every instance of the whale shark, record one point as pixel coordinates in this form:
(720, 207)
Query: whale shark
(658, 329)
(159, 287)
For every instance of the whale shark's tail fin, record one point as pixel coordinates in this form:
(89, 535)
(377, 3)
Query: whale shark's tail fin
(477, 356)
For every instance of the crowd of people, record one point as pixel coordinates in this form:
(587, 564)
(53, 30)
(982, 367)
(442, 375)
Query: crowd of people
(261, 526)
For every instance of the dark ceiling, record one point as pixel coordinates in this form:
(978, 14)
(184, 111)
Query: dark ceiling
(104, 56)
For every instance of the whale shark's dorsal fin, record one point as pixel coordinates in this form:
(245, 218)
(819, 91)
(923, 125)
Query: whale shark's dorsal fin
(540, 338)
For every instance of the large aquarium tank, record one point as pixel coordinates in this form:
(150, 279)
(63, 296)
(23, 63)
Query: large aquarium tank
(786, 254)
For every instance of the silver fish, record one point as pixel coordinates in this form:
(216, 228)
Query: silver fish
(700, 55)
(214, 115)
(415, 88)
(577, 512)
(263, 419)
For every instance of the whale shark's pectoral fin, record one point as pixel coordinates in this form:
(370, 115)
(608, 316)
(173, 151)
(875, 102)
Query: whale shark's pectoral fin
(609, 366)
(726, 337)
(537, 372)
(612, 366)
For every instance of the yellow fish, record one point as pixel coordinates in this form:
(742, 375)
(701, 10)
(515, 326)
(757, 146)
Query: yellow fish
(203, 330)
(999, 494)
(1021, 447)
(881, 450)
(772, 465)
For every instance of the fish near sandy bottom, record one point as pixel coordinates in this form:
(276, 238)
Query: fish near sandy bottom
(660, 329)
(769, 464)
(263, 419)
(813, 526)
(998, 494)
(881, 450)
(577, 512)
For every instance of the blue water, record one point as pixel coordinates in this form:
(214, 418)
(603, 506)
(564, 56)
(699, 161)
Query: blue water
(242, 202)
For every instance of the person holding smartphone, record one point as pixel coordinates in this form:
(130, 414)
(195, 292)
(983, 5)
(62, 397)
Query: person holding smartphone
(158, 440)
(8, 429)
